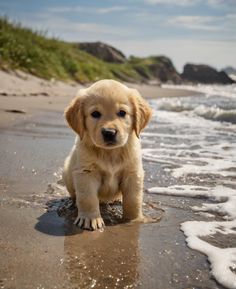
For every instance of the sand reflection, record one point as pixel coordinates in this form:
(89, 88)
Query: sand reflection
(106, 259)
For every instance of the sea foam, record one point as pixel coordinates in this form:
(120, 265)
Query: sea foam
(194, 140)
(222, 260)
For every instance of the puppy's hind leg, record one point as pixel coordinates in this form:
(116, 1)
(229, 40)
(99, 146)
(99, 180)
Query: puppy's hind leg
(68, 178)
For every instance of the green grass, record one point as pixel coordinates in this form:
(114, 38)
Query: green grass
(35, 53)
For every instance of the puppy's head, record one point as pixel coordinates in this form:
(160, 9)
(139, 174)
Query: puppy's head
(107, 113)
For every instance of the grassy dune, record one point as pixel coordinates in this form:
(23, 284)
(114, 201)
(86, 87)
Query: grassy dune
(33, 52)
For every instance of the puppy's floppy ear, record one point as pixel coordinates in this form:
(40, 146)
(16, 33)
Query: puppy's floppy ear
(142, 111)
(75, 116)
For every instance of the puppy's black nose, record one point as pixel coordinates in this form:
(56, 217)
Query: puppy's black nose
(109, 134)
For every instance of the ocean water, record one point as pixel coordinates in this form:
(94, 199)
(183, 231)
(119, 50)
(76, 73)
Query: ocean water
(193, 139)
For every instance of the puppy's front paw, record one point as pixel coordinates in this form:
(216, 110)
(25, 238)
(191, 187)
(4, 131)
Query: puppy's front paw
(87, 223)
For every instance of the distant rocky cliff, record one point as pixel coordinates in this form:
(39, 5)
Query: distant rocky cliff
(204, 74)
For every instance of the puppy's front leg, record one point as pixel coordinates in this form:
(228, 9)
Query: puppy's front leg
(86, 187)
(132, 194)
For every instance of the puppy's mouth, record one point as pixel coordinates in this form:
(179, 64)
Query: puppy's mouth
(108, 145)
(111, 143)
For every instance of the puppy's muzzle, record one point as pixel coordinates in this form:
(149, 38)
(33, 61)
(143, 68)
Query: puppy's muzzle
(109, 135)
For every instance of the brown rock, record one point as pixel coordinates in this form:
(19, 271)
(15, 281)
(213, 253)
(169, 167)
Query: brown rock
(103, 51)
(204, 74)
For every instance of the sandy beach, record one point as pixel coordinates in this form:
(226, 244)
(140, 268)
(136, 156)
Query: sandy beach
(39, 248)
(28, 94)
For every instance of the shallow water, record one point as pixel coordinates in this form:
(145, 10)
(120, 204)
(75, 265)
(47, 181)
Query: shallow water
(193, 139)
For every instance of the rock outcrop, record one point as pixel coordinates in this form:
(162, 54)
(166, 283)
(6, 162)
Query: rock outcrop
(103, 51)
(164, 70)
(204, 74)
(155, 68)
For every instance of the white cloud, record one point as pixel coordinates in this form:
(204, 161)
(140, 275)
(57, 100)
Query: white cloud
(172, 2)
(61, 9)
(219, 3)
(221, 24)
(231, 16)
(214, 3)
(195, 22)
(84, 9)
(110, 9)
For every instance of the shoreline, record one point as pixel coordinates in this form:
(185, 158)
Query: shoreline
(22, 95)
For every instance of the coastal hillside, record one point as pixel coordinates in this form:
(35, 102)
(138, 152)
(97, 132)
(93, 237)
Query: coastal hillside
(33, 52)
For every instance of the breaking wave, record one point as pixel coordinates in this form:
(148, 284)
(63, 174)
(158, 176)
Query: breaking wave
(209, 90)
(211, 109)
(216, 113)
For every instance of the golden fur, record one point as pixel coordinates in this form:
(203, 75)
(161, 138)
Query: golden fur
(101, 170)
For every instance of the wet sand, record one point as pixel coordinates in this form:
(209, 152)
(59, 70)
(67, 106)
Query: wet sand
(40, 249)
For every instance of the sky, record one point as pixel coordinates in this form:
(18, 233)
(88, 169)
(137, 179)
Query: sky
(195, 31)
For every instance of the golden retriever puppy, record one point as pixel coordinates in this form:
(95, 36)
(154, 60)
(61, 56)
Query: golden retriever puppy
(105, 163)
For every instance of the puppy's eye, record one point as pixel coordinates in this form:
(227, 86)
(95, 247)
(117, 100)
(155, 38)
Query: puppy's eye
(121, 113)
(96, 114)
